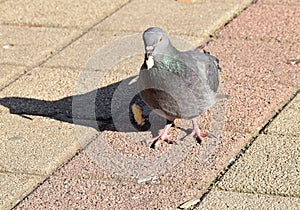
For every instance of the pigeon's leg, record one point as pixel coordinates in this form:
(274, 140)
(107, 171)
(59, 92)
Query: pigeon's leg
(162, 137)
(196, 131)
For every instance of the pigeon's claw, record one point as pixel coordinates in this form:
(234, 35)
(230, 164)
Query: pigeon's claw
(162, 137)
(198, 133)
(158, 140)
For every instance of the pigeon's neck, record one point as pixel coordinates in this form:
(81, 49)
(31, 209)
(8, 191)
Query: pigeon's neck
(169, 50)
(169, 61)
(166, 51)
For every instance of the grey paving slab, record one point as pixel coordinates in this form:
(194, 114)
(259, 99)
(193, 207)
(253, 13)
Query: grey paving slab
(234, 200)
(9, 182)
(95, 193)
(38, 144)
(71, 13)
(192, 19)
(29, 46)
(269, 166)
(44, 84)
(35, 144)
(9, 73)
(288, 122)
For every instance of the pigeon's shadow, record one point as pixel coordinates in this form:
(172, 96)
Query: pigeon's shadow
(106, 108)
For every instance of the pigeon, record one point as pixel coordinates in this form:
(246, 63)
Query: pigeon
(177, 84)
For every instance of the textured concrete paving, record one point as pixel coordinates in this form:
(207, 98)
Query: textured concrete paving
(198, 19)
(9, 73)
(270, 166)
(28, 46)
(235, 200)
(66, 14)
(47, 47)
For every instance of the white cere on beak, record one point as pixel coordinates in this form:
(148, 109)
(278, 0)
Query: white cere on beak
(149, 48)
(150, 62)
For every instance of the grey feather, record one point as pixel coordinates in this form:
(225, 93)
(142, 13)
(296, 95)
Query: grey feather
(179, 84)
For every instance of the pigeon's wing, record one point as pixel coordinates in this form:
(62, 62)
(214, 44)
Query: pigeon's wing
(207, 66)
(201, 78)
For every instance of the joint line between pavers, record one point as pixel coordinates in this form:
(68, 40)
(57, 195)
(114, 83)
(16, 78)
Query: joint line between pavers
(35, 188)
(22, 173)
(259, 193)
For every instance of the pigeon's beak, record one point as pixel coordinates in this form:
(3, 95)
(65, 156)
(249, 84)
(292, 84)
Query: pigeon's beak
(149, 51)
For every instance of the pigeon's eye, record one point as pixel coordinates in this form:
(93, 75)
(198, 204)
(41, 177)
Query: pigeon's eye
(160, 39)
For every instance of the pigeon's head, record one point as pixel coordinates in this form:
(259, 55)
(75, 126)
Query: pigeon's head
(156, 41)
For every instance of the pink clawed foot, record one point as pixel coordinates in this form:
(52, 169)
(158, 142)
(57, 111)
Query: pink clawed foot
(162, 137)
(199, 134)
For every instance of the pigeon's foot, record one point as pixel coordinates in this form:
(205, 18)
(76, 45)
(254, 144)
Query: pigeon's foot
(162, 137)
(199, 134)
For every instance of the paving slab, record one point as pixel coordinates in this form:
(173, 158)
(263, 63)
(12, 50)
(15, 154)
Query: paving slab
(257, 23)
(70, 14)
(79, 193)
(30, 150)
(191, 19)
(44, 84)
(234, 200)
(288, 122)
(268, 61)
(253, 85)
(28, 46)
(269, 166)
(8, 73)
(10, 182)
